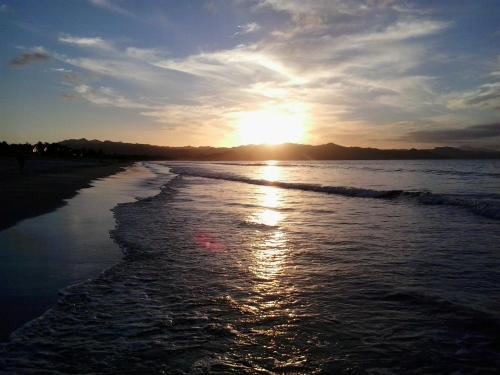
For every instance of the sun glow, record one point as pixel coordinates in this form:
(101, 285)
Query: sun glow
(271, 126)
(270, 172)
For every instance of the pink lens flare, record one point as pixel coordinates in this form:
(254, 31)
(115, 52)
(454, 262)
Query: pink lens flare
(208, 243)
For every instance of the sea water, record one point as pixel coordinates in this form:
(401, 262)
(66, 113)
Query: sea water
(377, 267)
(41, 255)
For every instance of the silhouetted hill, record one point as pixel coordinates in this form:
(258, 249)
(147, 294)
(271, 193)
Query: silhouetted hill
(328, 151)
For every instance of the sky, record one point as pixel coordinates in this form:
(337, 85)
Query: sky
(380, 73)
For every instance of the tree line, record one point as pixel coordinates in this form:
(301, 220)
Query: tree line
(56, 150)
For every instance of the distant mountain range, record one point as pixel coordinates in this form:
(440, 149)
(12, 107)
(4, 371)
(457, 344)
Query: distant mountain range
(329, 151)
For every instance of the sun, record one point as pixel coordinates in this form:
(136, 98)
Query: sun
(271, 126)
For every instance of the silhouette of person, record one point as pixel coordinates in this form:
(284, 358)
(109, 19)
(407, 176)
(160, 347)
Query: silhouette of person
(20, 161)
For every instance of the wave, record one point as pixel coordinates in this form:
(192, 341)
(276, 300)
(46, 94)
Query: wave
(250, 205)
(486, 208)
(265, 165)
(434, 304)
(457, 173)
(157, 169)
(443, 172)
(350, 166)
(254, 225)
(482, 207)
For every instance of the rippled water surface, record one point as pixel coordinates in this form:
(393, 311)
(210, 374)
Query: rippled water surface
(40, 255)
(301, 267)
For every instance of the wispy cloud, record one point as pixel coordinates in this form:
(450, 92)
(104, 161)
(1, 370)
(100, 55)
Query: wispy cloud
(398, 31)
(146, 54)
(485, 96)
(95, 42)
(102, 96)
(112, 6)
(37, 55)
(115, 7)
(198, 115)
(248, 28)
(61, 70)
(469, 133)
(112, 67)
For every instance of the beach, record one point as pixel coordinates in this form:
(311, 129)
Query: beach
(251, 267)
(41, 255)
(45, 184)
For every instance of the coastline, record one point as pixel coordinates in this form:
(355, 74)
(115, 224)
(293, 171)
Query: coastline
(46, 184)
(211, 267)
(68, 244)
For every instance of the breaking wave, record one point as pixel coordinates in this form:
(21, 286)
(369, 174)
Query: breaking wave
(369, 168)
(479, 205)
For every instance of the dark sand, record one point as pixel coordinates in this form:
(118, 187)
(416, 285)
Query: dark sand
(33, 269)
(45, 184)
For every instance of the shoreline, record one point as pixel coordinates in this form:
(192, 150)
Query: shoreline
(45, 254)
(46, 184)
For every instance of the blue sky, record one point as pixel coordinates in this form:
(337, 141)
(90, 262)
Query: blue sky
(368, 73)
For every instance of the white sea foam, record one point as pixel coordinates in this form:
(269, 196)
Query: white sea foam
(485, 205)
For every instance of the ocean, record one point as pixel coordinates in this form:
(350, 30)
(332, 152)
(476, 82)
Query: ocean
(41, 255)
(335, 267)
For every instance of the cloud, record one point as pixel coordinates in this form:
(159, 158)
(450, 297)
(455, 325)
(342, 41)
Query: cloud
(248, 28)
(146, 54)
(61, 70)
(120, 68)
(102, 96)
(104, 58)
(112, 7)
(359, 76)
(71, 79)
(38, 55)
(485, 96)
(470, 133)
(399, 31)
(240, 65)
(328, 8)
(317, 7)
(354, 66)
(95, 42)
(198, 115)
(4, 8)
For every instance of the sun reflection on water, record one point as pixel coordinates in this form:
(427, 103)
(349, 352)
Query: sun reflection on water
(270, 249)
(270, 200)
(269, 257)
(271, 172)
(271, 294)
(270, 197)
(271, 304)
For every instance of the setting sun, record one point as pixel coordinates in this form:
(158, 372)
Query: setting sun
(271, 126)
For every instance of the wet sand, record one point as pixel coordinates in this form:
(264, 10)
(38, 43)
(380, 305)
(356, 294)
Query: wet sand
(40, 256)
(45, 184)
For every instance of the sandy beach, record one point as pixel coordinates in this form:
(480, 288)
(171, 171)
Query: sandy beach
(45, 184)
(42, 255)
